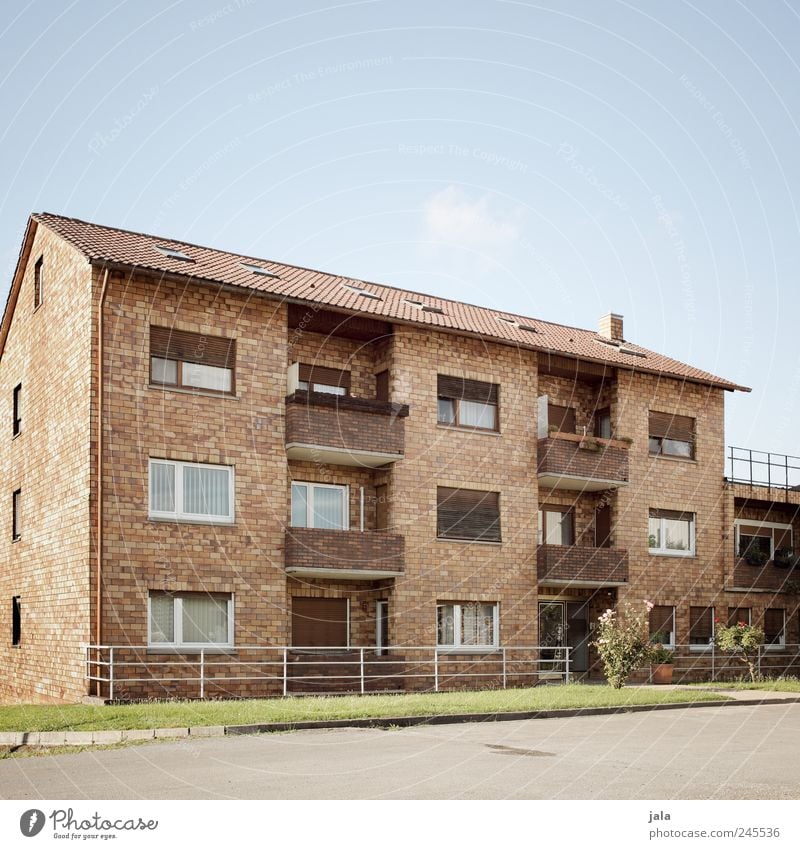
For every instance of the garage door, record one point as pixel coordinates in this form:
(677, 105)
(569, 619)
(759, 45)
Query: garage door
(319, 622)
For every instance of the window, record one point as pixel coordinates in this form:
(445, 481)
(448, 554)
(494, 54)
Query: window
(754, 538)
(320, 505)
(321, 379)
(195, 492)
(701, 627)
(17, 415)
(662, 625)
(560, 419)
(173, 253)
(16, 514)
(469, 625)
(775, 627)
(737, 615)
(38, 283)
(467, 403)
(671, 532)
(556, 526)
(468, 514)
(671, 435)
(602, 423)
(192, 360)
(16, 621)
(190, 620)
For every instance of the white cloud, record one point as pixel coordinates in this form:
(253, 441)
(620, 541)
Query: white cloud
(451, 216)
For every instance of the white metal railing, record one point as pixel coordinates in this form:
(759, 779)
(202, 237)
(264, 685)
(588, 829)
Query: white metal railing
(126, 671)
(701, 662)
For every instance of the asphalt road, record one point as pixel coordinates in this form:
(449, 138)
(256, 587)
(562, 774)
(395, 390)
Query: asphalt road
(742, 752)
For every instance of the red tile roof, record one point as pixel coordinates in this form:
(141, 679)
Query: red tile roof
(122, 247)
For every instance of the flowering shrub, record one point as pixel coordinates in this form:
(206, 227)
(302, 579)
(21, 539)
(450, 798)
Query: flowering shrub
(741, 640)
(622, 643)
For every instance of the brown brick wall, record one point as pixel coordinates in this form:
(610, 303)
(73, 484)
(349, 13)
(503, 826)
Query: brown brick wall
(579, 563)
(49, 352)
(588, 458)
(315, 547)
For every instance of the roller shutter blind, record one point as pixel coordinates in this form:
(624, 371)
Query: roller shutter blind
(774, 619)
(563, 418)
(169, 344)
(669, 426)
(662, 620)
(466, 390)
(324, 376)
(319, 622)
(701, 624)
(468, 514)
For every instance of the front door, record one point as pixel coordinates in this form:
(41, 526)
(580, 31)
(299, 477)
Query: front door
(320, 622)
(578, 636)
(551, 637)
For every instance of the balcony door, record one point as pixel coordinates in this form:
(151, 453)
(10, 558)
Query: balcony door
(320, 622)
(563, 624)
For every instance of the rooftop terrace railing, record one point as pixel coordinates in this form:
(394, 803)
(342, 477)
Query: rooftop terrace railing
(763, 468)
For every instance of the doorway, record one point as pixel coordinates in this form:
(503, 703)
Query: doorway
(562, 624)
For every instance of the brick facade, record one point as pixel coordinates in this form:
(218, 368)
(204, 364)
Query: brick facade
(53, 352)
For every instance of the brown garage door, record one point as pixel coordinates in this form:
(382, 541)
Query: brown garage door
(318, 622)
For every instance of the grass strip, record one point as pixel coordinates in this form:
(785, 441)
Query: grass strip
(295, 709)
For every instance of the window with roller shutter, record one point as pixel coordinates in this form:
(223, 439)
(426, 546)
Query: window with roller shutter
(775, 627)
(331, 381)
(701, 627)
(662, 625)
(467, 403)
(468, 514)
(192, 360)
(560, 419)
(671, 435)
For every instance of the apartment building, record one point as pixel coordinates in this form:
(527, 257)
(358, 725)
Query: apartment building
(225, 475)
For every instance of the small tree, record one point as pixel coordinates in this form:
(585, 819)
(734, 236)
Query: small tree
(742, 641)
(622, 643)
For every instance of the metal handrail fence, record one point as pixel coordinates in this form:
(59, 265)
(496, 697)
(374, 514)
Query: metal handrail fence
(698, 662)
(280, 670)
(763, 468)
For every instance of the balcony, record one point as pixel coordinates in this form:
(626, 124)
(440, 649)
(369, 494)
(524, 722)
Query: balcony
(584, 463)
(344, 555)
(581, 566)
(344, 431)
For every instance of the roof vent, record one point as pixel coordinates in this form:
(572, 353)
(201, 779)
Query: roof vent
(259, 269)
(173, 253)
(365, 293)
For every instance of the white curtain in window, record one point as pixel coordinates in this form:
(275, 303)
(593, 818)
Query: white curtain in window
(205, 619)
(206, 491)
(329, 508)
(475, 414)
(678, 535)
(299, 505)
(445, 625)
(162, 488)
(163, 371)
(477, 625)
(162, 619)
(207, 377)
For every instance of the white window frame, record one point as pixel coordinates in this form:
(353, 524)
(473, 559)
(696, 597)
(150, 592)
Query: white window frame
(782, 644)
(783, 526)
(457, 645)
(179, 515)
(674, 552)
(671, 643)
(177, 619)
(310, 486)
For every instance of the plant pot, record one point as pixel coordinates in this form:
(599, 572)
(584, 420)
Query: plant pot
(661, 673)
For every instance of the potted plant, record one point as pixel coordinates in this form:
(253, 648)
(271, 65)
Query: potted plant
(784, 557)
(661, 662)
(754, 555)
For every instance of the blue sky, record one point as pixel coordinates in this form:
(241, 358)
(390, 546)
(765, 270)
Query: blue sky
(560, 160)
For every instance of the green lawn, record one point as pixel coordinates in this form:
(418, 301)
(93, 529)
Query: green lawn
(788, 685)
(175, 714)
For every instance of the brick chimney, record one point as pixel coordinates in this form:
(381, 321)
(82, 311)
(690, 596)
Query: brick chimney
(611, 326)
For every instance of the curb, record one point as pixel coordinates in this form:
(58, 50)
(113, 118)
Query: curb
(105, 738)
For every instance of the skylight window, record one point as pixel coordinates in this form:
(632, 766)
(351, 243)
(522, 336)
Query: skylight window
(259, 269)
(529, 327)
(365, 293)
(429, 308)
(173, 253)
(518, 324)
(413, 303)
